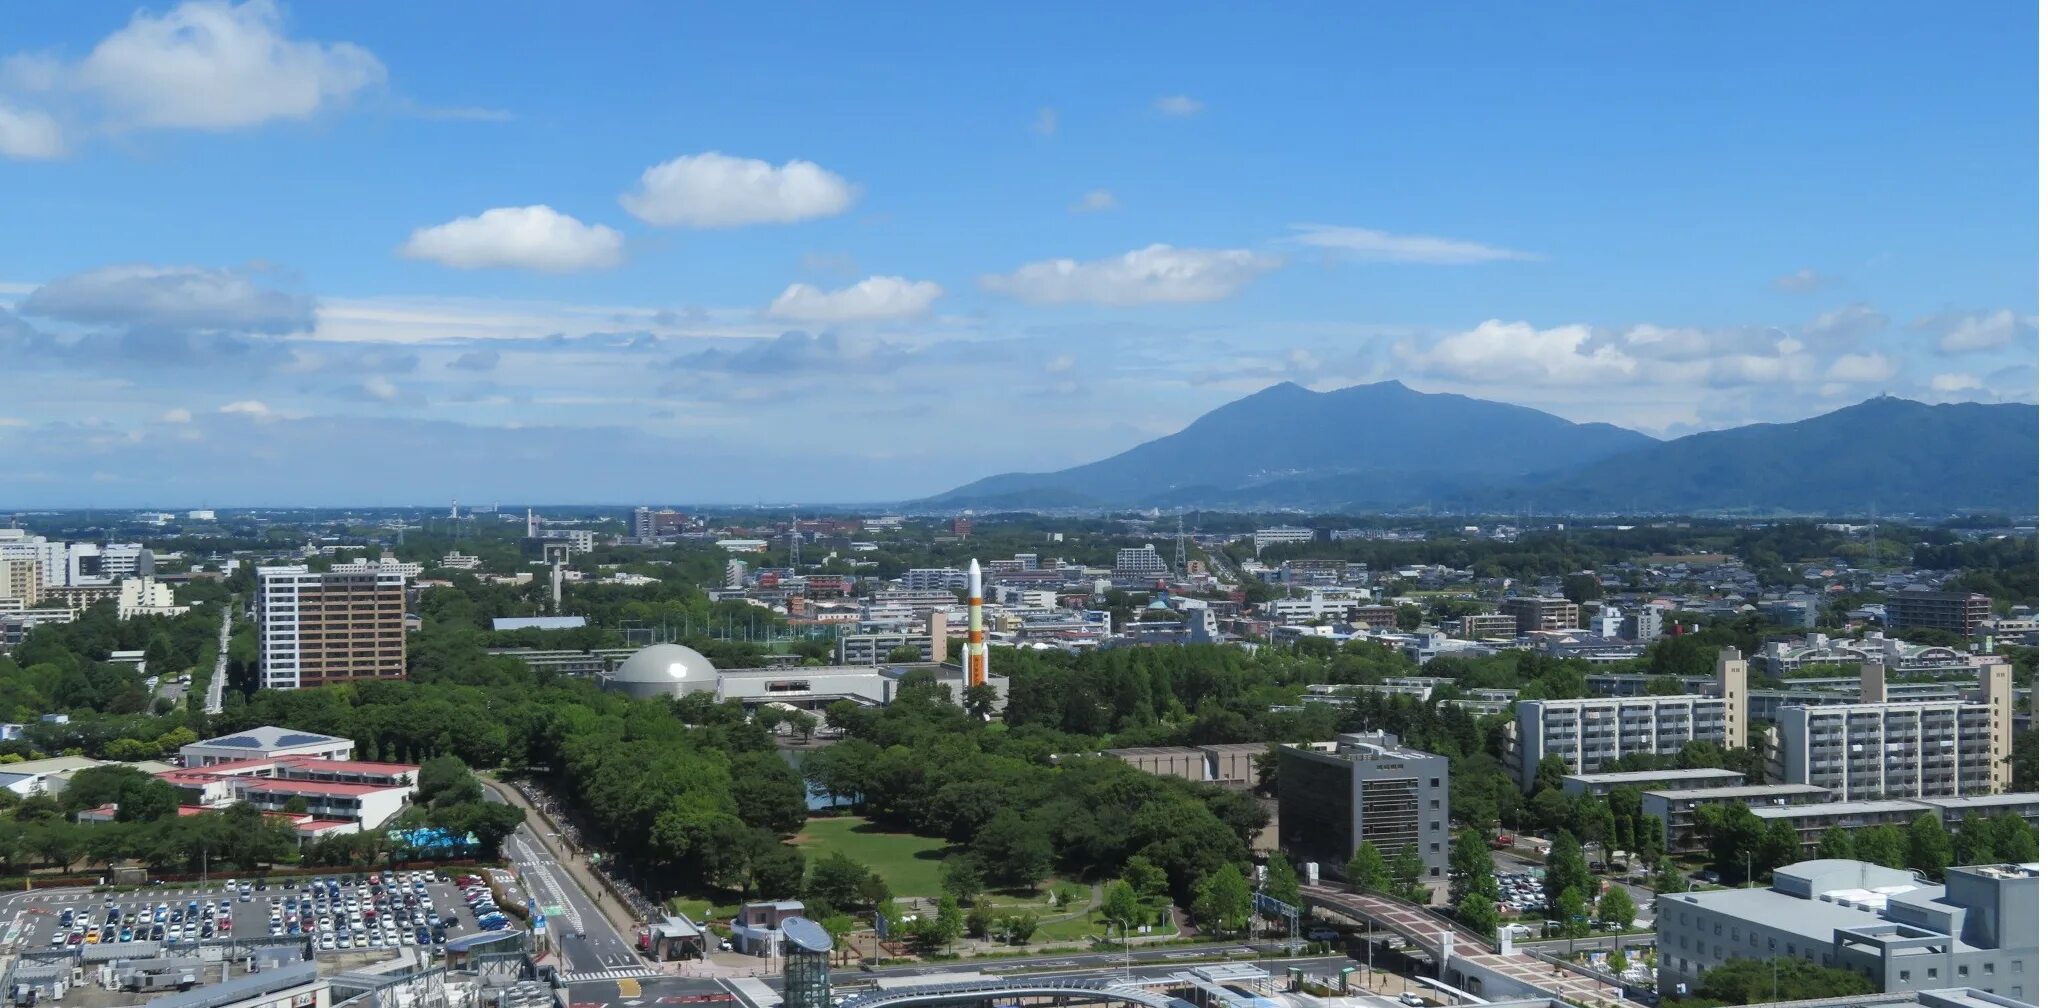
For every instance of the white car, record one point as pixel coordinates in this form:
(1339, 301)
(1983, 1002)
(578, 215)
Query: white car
(327, 943)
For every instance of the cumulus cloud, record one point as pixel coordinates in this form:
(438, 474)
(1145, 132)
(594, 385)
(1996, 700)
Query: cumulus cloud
(380, 388)
(1800, 281)
(715, 190)
(27, 134)
(877, 297)
(1954, 382)
(1380, 246)
(794, 352)
(531, 237)
(1496, 351)
(1094, 201)
(249, 408)
(1960, 332)
(1046, 123)
(479, 361)
(176, 416)
(182, 298)
(1154, 274)
(212, 65)
(1689, 344)
(1865, 367)
(1846, 326)
(1178, 106)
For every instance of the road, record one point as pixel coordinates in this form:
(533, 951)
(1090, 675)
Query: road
(588, 948)
(218, 683)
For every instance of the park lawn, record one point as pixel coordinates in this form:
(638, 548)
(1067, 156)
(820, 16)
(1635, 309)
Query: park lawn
(910, 864)
(702, 910)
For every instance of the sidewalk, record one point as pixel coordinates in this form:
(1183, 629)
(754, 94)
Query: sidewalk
(614, 912)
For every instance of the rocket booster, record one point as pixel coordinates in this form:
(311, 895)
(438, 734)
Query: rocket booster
(975, 656)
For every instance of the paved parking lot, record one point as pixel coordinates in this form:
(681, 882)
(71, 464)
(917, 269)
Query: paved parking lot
(373, 914)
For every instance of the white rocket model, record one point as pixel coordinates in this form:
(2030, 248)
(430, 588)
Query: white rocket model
(975, 657)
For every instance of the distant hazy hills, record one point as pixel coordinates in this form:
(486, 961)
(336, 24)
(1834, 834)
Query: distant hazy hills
(1388, 447)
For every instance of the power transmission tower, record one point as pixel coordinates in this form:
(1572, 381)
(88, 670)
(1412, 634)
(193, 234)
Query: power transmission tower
(1180, 545)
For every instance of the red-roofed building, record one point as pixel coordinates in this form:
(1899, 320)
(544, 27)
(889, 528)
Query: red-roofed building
(355, 791)
(308, 828)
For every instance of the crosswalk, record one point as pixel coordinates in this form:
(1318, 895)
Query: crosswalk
(616, 973)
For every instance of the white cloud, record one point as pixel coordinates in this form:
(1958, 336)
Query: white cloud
(532, 237)
(216, 66)
(1496, 351)
(380, 388)
(173, 297)
(1060, 364)
(1800, 281)
(28, 134)
(1968, 333)
(248, 408)
(1150, 275)
(1094, 201)
(1046, 123)
(1380, 246)
(176, 416)
(718, 191)
(1847, 325)
(1953, 382)
(877, 297)
(1687, 344)
(1869, 367)
(1178, 106)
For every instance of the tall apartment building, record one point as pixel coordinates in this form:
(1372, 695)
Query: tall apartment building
(1262, 538)
(1878, 749)
(1590, 733)
(934, 579)
(1141, 561)
(1481, 626)
(650, 524)
(1541, 613)
(1956, 612)
(1365, 788)
(21, 581)
(319, 628)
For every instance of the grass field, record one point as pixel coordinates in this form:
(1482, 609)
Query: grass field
(910, 864)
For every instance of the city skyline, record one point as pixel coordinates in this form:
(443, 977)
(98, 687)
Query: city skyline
(271, 253)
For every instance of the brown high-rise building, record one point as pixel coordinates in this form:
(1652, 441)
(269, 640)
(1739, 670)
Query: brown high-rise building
(1958, 613)
(1533, 613)
(327, 627)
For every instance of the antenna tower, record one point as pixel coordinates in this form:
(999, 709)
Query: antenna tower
(1180, 545)
(796, 545)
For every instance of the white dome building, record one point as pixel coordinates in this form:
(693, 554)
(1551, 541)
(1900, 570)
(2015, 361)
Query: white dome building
(663, 670)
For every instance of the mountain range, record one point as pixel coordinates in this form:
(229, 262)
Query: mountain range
(1387, 447)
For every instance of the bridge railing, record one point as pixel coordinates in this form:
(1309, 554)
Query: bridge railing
(1438, 923)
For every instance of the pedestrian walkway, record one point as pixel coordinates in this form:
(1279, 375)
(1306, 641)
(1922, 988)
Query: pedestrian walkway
(612, 975)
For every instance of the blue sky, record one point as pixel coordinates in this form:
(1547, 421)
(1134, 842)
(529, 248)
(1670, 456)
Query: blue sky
(662, 253)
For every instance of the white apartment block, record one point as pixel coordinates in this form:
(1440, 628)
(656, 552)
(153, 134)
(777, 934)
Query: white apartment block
(1317, 605)
(146, 596)
(1262, 538)
(1588, 734)
(930, 579)
(1140, 561)
(1877, 749)
(386, 564)
(579, 540)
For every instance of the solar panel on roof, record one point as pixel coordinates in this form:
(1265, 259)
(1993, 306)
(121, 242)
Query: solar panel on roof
(238, 742)
(292, 740)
